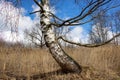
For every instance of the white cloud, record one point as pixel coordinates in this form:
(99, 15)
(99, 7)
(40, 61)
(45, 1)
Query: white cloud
(77, 35)
(110, 34)
(25, 22)
(99, 31)
(8, 15)
(17, 20)
(36, 8)
(13, 18)
(11, 37)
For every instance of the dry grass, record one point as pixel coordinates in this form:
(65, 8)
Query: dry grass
(103, 63)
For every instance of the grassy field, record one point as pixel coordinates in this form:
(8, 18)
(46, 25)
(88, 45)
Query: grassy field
(102, 63)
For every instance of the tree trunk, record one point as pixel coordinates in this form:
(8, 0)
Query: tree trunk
(66, 62)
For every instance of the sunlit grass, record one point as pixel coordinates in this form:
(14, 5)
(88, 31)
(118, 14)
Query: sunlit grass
(102, 63)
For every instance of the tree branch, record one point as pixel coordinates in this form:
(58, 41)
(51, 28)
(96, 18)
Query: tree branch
(34, 12)
(81, 23)
(89, 45)
(39, 4)
(56, 17)
(93, 7)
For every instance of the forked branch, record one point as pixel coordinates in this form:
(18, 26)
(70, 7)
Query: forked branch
(88, 10)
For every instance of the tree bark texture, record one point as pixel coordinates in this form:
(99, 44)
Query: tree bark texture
(66, 62)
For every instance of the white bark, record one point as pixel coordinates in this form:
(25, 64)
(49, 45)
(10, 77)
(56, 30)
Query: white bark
(66, 62)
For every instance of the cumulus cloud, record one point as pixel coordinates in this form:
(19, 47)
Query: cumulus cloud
(77, 34)
(12, 37)
(17, 20)
(13, 21)
(25, 22)
(8, 15)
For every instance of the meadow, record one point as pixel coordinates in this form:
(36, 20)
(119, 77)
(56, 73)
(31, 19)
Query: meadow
(19, 63)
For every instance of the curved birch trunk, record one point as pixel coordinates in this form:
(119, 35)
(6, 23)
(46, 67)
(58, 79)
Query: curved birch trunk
(66, 62)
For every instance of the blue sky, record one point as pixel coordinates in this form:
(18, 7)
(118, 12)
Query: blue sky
(63, 9)
(27, 5)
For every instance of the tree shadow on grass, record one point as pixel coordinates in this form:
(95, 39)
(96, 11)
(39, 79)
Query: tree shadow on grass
(36, 76)
(44, 75)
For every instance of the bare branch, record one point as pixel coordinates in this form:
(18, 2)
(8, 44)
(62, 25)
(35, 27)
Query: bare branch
(75, 24)
(111, 7)
(81, 23)
(56, 17)
(39, 4)
(93, 7)
(89, 45)
(34, 12)
(36, 44)
(84, 9)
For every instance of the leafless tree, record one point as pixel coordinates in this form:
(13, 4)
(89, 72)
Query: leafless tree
(116, 25)
(47, 24)
(35, 36)
(100, 28)
(8, 20)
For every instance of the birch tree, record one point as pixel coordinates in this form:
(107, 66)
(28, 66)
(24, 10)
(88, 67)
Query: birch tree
(116, 19)
(34, 36)
(100, 28)
(47, 23)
